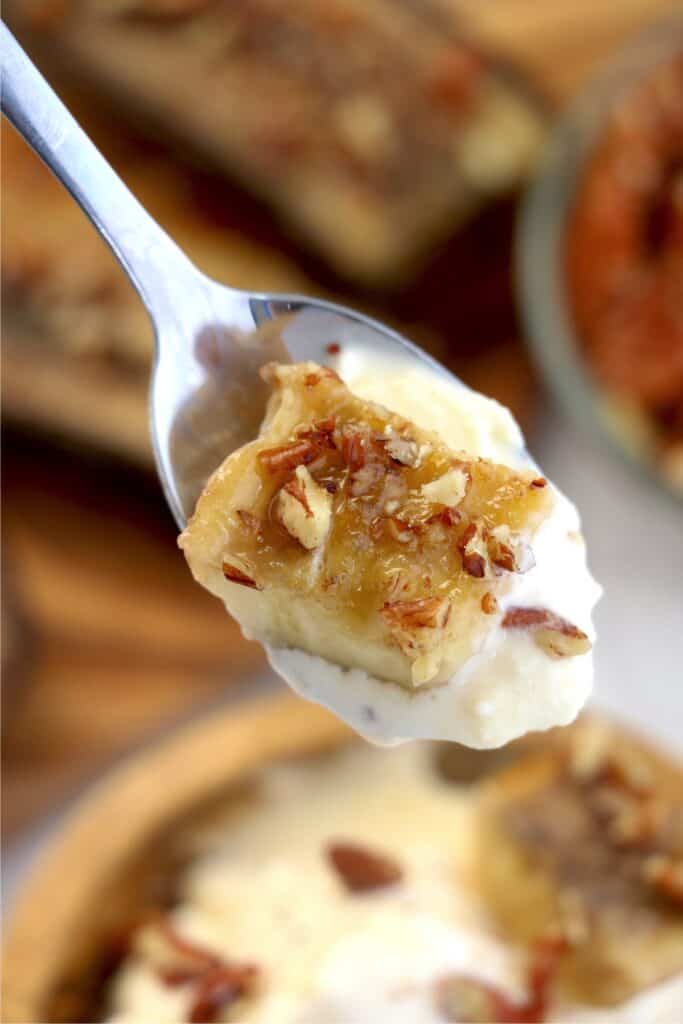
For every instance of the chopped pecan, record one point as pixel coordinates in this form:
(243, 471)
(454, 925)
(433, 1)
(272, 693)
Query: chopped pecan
(472, 547)
(286, 457)
(333, 349)
(361, 869)
(508, 551)
(320, 433)
(401, 531)
(295, 489)
(422, 613)
(448, 489)
(448, 517)
(489, 605)
(403, 450)
(237, 575)
(555, 635)
(304, 508)
(538, 482)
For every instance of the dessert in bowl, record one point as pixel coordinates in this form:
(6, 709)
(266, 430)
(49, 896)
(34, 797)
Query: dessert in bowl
(325, 880)
(601, 273)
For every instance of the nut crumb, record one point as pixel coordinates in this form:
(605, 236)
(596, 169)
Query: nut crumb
(237, 575)
(305, 509)
(362, 870)
(555, 635)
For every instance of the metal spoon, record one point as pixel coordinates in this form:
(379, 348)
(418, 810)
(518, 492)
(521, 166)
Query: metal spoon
(206, 395)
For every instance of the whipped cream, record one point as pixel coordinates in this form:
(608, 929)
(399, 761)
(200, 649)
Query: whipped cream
(265, 892)
(510, 686)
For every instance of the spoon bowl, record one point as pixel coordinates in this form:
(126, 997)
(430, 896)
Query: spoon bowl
(207, 397)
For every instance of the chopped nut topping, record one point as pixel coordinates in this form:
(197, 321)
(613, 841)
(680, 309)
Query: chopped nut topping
(362, 870)
(474, 551)
(489, 605)
(449, 489)
(305, 509)
(286, 457)
(406, 620)
(345, 490)
(427, 612)
(556, 636)
(403, 450)
(178, 961)
(333, 349)
(508, 551)
(539, 482)
(237, 575)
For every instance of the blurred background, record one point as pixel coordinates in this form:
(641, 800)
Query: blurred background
(377, 153)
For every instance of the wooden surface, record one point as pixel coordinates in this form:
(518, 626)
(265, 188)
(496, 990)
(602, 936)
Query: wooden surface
(112, 640)
(89, 864)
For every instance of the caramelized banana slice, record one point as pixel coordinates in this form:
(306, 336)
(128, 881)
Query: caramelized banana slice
(347, 532)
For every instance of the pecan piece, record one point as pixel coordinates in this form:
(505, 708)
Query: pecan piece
(423, 613)
(508, 551)
(286, 457)
(305, 509)
(472, 547)
(237, 575)
(403, 450)
(489, 605)
(362, 870)
(555, 635)
(448, 489)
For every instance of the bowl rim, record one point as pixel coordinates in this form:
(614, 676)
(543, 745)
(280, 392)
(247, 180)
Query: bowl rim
(539, 237)
(201, 758)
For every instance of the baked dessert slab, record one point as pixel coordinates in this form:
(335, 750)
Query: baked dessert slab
(585, 841)
(373, 129)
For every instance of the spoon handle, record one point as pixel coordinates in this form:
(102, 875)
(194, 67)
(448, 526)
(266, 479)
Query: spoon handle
(153, 262)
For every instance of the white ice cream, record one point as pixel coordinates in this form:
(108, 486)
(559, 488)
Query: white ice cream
(266, 893)
(511, 686)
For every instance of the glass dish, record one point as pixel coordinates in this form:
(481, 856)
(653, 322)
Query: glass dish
(542, 290)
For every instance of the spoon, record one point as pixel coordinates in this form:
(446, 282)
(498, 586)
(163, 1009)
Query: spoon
(207, 398)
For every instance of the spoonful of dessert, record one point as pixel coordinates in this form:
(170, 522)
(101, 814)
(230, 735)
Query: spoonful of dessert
(412, 569)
